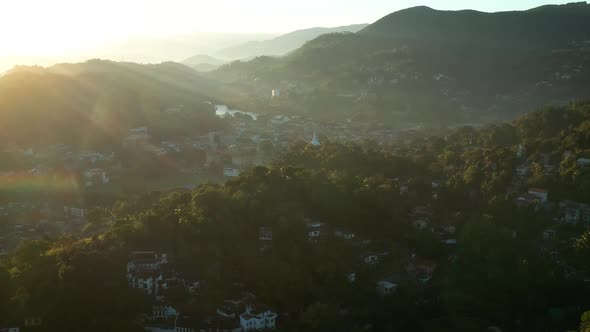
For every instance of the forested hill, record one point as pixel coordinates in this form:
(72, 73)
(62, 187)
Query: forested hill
(443, 202)
(422, 63)
(96, 102)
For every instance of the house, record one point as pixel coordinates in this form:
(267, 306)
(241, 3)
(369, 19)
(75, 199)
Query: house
(95, 176)
(346, 235)
(74, 212)
(180, 324)
(420, 224)
(253, 319)
(314, 230)
(574, 212)
(9, 329)
(526, 200)
(146, 270)
(351, 277)
(583, 162)
(421, 270)
(370, 259)
(385, 287)
(541, 194)
(231, 172)
(220, 324)
(548, 234)
(162, 311)
(146, 260)
(231, 308)
(403, 189)
(33, 321)
(265, 233)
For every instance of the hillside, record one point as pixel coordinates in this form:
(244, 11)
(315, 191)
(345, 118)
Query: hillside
(421, 63)
(281, 45)
(203, 62)
(96, 102)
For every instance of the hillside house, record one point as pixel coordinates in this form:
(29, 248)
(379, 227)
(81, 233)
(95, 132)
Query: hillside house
(252, 320)
(162, 311)
(541, 194)
(343, 234)
(574, 212)
(385, 287)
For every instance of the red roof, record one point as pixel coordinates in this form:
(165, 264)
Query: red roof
(537, 190)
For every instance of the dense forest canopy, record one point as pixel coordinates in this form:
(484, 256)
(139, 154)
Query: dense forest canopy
(499, 273)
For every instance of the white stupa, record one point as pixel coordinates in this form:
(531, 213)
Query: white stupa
(314, 140)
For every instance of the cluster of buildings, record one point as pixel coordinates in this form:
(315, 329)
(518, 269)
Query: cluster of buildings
(153, 273)
(34, 221)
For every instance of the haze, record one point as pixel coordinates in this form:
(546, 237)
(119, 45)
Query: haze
(62, 30)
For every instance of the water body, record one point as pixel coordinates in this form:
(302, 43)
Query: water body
(221, 110)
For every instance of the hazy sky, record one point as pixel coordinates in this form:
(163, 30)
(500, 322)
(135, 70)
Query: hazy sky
(43, 27)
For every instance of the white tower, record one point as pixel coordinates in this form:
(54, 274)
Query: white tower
(314, 140)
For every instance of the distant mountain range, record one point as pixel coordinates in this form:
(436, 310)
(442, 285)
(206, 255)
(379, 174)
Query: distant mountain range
(280, 45)
(422, 63)
(97, 102)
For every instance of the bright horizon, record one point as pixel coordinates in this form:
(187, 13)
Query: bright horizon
(58, 28)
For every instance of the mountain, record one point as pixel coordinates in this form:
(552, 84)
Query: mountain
(97, 102)
(203, 62)
(424, 64)
(173, 48)
(281, 45)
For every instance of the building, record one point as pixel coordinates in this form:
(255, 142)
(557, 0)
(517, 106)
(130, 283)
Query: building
(265, 233)
(148, 271)
(548, 234)
(541, 194)
(74, 212)
(385, 287)
(252, 320)
(346, 235)
(231, 172)
(95, 176)
(574, 212)
(314, 140)
(9, 329)
(276, 93)
(163, 311)
(370, 259)
(583, 162)
(314, 230)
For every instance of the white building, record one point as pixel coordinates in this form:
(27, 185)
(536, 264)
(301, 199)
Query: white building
(95, 176)
(583, 162)
(276, 93)
(540, 194)
(74, 212)
(144, 271)
(231, 172)
(314, 230)
(254, 320)
(9, 329)
(163, 312)
(371, 259)
(314, 140)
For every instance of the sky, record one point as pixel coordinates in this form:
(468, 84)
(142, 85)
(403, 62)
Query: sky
(46, 28)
